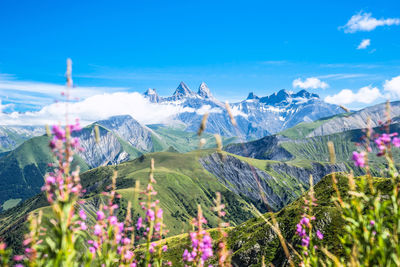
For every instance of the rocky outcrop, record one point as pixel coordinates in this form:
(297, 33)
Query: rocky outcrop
(13, 136)
(129, 129)
(280, 182)
(265, 148)
(108, 150)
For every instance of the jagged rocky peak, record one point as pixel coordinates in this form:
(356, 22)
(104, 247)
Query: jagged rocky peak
(252, 96)
(277, 97)
(305, 94)
(182, 91)
(150, 92)
(204, 91)
(152, 95)
(285, 97)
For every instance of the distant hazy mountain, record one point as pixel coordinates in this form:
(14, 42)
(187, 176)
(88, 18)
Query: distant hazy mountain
(13, 136)
(256, 116)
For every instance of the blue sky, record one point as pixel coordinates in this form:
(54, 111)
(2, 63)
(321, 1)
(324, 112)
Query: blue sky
(234, 46)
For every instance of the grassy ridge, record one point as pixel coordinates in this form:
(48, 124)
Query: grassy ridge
(22, 170)
(184, 141)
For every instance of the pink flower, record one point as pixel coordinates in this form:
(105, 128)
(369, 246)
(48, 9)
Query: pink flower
(97, 229)
(83, 226)
(320, 235)
(58, 132)
(100, 215)
(159, 213)
(113, 220)
(150, 214)
(18, 257)
(164, 248)
(92, 250)
(372, 222)
(151, 249)
(359, 159)
(128, 255)
(50, 180)
(396, 142)
(82, 214)
(305, 241)
(126, 241)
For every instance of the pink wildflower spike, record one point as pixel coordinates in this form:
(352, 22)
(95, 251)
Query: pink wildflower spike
(139, 223)
(164, 248)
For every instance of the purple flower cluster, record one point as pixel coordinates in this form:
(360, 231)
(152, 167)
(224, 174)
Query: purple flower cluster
(110, 233)
(59, 184)
(301, 230)
(359, 158)
(384, 140)
(201, 248)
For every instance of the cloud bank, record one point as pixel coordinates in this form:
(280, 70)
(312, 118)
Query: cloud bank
(365, 95)
(100, 107)
(392, 87)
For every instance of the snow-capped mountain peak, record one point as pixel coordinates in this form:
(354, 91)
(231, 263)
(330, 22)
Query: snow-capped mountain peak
(152, 95)
(204, 91)
(182, 91)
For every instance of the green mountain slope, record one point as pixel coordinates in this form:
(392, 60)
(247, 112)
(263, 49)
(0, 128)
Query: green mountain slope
(254, 238)
(22, 170)
(185, 180)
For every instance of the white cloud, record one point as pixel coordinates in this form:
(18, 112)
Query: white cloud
(308, 83)
(392, 86)
(364, 44)
(365, 22)
(96, 108)
(237, 112)
(342, 76)
(207, 109)
(365, 95)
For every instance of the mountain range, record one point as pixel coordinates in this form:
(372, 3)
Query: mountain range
(256, 116)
